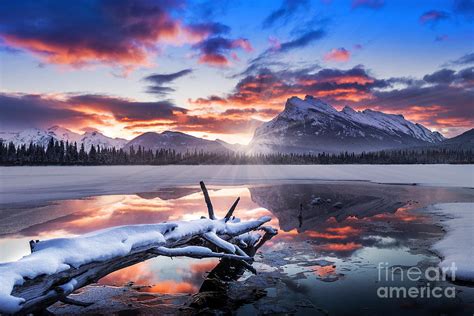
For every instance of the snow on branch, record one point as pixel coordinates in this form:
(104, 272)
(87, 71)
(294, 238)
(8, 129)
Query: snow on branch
(59, 266)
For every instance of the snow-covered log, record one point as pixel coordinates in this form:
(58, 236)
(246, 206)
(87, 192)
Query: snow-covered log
(58, 267)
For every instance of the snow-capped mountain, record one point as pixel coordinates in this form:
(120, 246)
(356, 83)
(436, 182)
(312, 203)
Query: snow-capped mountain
(42, 137)
(61, 133)
(97, 139)
(180, 142)
(27, 136)
(313, 126)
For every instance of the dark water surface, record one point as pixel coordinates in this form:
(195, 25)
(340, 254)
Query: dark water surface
(332, 238)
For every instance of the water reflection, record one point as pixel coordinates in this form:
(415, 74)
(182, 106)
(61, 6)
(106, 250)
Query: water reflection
(339, 221)
(163, 275)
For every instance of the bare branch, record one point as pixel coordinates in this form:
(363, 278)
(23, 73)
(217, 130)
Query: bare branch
(231, 210)
(210, 208)
(218, 242)
(197, 252)
(32, 246)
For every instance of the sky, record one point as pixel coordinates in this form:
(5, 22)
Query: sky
(218, 69)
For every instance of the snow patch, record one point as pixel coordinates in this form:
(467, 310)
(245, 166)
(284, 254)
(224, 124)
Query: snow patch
(456, 246)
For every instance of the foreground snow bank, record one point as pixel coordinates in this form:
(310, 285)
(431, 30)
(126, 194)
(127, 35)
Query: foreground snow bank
(34, 184)
(457, 246)
(60, 254)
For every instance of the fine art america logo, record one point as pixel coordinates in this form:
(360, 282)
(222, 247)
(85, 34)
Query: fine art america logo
(426, 285)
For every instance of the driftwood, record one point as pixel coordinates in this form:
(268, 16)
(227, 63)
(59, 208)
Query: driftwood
(214, 296)
(225, 238)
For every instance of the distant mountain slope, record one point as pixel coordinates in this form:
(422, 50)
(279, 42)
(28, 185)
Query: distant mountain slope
(233, 147)
(465, 141)
(180, 142)
(313, 126)
(42, 137)
(97, 139)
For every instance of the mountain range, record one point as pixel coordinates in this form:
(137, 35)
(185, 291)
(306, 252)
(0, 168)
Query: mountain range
(306, 125)
(177, 141)
(42, 137)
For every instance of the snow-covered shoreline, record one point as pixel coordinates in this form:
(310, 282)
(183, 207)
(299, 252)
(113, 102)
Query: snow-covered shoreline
(40, 184)
(456, 246)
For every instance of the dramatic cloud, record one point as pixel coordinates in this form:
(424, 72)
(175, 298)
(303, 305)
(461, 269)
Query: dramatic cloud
(25, 111)
(449, 76)
(441, 76)
(216, 50)
(211, 99)
(433, 17)
(121, 33)
(338, 54)
(159, 82)
(124, 110)
(464, 60)
(287, 9)
(441, 100)
(370, 4)
(28, 110)
(301, 41)
(106, 113)
(269, 89)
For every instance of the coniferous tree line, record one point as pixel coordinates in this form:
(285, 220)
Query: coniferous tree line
(65, 153)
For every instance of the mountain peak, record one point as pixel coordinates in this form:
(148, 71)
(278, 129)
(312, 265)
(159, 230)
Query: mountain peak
(312, 99)
(171, 133)
(348, 110)
(309, 103)
(92, 133)
(60, 129)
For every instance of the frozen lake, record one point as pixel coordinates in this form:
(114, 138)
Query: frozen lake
(322, 212)
(34, 184)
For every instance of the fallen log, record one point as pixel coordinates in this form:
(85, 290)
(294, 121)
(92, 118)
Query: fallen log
(58, 267)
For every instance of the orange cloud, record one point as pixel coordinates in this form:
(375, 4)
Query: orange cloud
(214, 59)
(338, 55)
